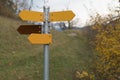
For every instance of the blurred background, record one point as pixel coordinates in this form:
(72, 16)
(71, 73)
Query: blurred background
(85, 48)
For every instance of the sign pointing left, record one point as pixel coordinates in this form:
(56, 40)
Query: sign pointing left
(31, 15)
(28, 29)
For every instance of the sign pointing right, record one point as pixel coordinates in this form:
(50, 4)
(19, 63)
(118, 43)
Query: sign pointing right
(61, 16)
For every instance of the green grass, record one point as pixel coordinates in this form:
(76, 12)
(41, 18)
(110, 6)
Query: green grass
(20, 60)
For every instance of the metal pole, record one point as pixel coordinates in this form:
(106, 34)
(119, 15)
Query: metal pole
(46, 46)
(69, 26)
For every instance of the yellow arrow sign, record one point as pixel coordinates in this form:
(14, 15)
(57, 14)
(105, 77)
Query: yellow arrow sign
(39, 16)
(62, 16)
(40, 38)
(31, 15)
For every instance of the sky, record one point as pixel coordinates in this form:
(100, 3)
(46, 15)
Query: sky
(83, 9)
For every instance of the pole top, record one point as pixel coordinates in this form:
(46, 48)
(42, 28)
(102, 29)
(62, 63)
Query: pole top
(46, 3)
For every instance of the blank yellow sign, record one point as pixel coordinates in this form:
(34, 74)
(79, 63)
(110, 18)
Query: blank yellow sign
(40, 38)
(61, 16)
(31, 15)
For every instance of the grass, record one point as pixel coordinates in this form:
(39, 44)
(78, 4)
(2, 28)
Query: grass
(20, 60)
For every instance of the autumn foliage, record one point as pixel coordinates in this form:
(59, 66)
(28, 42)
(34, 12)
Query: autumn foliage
(107, 46)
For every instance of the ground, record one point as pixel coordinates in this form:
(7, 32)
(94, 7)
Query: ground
(21, 60)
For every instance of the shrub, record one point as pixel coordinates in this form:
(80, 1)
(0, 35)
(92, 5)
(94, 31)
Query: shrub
(107, 40)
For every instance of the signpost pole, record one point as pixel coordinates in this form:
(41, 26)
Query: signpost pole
(44, 38)
(46, 46)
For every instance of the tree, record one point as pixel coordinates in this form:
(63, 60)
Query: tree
(21, 4)
(72, 23)
(6, 8)
(107, 45)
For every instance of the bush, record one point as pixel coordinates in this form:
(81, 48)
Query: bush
(107, 40)
(84, 75)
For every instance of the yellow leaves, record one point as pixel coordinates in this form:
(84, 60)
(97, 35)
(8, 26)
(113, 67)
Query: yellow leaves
(81, 75)
(108, 46)
(92, 76)
(84, 75)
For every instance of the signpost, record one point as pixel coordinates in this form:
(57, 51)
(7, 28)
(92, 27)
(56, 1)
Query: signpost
(35, 30)
(29, 29)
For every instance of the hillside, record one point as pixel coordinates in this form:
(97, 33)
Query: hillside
(20, 60)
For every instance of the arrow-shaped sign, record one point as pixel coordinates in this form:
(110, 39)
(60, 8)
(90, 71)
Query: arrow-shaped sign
(39, 16)
(40, 38)
(31, 15)
(28, 29)
(61, 16)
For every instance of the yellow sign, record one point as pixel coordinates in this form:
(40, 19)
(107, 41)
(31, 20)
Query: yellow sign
(31, 15)
(40, 38)
(62, 16)
(39, 16)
